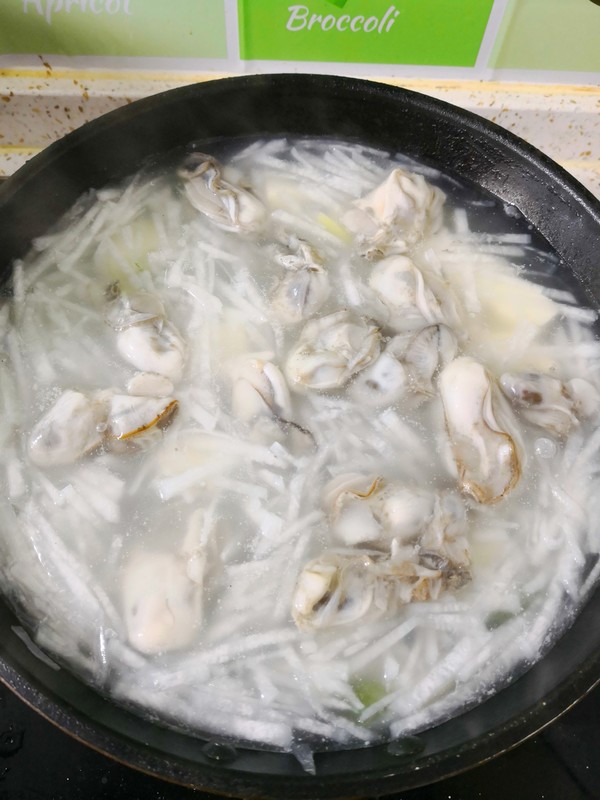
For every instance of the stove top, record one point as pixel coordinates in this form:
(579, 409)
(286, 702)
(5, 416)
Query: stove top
(39, 762)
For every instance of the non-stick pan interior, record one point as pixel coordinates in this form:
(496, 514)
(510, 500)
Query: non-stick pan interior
(119, 144)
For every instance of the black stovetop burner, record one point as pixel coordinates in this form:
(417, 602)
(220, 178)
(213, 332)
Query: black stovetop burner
(39, 762)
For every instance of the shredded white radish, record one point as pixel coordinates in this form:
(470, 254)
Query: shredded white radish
(164, 566)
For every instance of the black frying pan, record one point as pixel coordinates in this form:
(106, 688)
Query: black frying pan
(466, 146)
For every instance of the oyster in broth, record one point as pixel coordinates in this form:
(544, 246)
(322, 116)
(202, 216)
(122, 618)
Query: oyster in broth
(396, 214)
(303, 290)
(72, 427)
(153, 346)
(339, 588)
(130, 416)
(258, 389)
(231, 207)
(406, 302)
(331, 350)
(482, 430)
(125, 310)
(550, 403)
(407, 365)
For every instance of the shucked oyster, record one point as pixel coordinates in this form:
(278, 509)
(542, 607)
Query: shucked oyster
(548, 402)
(77, 424)
(161, 607)
(149, 384)
(407, 303)
(161, 603)
(396, 214)
(482, 430)
(162, 593)
(345, 498)
(368, 511)
(154, 346)
(125, 310)
(338, 588)
(443, 544)
(258, 388)
(407, 365)
(305, 287)
(260, 396)
(145, 337)
(130, 416)
(230, 207)
(72, 427)
(334, 589)
(331, 349)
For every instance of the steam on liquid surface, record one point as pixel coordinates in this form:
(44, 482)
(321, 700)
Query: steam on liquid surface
(284, 524)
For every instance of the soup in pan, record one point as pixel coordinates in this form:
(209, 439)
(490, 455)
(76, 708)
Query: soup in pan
(299, 445)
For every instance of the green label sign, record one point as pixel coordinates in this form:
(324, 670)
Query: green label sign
(178, 28)
(438, 32)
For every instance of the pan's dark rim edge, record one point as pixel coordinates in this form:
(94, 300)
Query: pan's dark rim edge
(398, 775)
(352, 85)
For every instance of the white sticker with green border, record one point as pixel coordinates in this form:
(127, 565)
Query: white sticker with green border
(177, 28)
(434, 32)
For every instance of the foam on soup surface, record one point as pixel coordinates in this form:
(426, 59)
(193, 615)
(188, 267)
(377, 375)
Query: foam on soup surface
(297, 447)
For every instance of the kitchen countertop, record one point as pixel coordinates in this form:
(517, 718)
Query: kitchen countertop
(39, 106)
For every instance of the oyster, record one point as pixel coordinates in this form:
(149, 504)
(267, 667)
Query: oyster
(78, 424)
(162, 605)
(403, 512)
(228, 206)
(145, 337)
(368, 511)
(260, 396)
(330, 350)
(162, 592)
(129, 415)
(339, 588)
(258, 388)
(482, 430)
(298, 254)
(384, 382)
(408, 364)
(72, 427)
(443, 544)
(550, 403)
(334, 589)
(125, 310)
(149, 384)
(396, 214)
(345, 498)
(406, 302)
(424, 551)
(302, 292)
(427, 351)
(153, 347)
